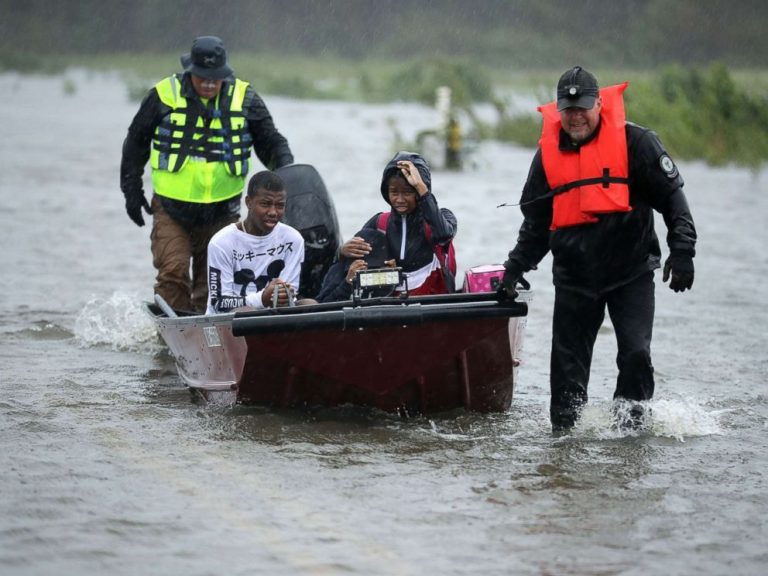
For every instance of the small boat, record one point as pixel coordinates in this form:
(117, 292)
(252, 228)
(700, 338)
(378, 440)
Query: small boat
(423, 354)
(419, 354)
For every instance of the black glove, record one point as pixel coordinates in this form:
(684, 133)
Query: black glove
(680, 266)
(134, 202)
(513, 274)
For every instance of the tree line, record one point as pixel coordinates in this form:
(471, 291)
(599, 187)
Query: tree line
(525, 34)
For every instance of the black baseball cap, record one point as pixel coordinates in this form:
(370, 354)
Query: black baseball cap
(207, 59)
(576, 88)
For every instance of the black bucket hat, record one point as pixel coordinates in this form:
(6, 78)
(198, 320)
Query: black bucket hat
(207, 59)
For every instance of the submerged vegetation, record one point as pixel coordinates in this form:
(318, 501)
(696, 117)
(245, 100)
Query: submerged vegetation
(402, 50)
(700, 113)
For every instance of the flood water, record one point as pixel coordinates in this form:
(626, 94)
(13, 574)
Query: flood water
(109, 466)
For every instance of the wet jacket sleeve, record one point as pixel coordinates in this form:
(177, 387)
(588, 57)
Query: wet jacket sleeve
(681, 232)
(441, 220)
(662, 185)
(372, 222)
(136, 146)
(533, 237)
(270, 146)
(335, 287)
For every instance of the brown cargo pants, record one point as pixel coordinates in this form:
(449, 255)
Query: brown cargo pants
(176, 249)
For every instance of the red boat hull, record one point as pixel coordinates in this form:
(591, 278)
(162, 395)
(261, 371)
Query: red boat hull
(423, 369)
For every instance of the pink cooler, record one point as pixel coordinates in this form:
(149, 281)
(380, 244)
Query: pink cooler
(483, 278)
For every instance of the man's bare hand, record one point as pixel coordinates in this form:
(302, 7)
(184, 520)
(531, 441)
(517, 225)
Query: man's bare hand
(354, 268)
(277, 294)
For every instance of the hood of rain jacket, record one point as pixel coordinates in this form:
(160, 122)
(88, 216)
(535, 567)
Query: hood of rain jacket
(391, 168)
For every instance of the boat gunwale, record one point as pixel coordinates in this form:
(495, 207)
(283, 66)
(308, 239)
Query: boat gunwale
(476, 301)
(352, 318)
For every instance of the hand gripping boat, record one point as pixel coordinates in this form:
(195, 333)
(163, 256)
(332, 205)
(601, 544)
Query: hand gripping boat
(420, 354)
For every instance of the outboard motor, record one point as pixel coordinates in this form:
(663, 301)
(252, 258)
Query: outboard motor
(310, 210)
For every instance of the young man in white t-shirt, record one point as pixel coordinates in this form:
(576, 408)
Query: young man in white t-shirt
(256, 262)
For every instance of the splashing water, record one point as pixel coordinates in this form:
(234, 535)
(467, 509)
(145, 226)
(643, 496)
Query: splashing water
(119, 322)
(677, 418)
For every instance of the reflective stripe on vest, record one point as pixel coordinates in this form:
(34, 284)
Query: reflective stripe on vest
(594, 179)
(201, 154)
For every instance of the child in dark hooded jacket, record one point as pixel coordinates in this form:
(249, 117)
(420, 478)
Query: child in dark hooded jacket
(418, 231)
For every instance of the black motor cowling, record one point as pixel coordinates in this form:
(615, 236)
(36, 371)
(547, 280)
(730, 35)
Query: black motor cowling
(311, 211)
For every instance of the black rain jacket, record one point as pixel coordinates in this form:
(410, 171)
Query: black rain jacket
(418, 250)
(596, 258)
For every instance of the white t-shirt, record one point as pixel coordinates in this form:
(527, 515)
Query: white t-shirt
(240, 265)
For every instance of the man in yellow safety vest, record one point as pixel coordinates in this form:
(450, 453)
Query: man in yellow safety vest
(197, 129)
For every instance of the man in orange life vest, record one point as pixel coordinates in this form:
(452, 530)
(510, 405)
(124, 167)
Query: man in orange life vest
(590, 197)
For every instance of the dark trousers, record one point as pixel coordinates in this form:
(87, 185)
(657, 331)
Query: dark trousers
(576, 320)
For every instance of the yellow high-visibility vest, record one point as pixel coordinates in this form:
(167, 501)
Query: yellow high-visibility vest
(201, 154)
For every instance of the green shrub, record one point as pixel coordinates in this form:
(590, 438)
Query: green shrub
(469, 82)
(524, 129)
(702, 114)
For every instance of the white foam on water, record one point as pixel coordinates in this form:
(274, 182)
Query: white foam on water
(676, 417)
(680, 418)
(119, 322)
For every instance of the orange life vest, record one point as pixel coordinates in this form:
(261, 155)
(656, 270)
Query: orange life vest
(594, 179)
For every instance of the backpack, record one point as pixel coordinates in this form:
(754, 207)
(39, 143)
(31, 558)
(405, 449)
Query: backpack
(446, 255)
